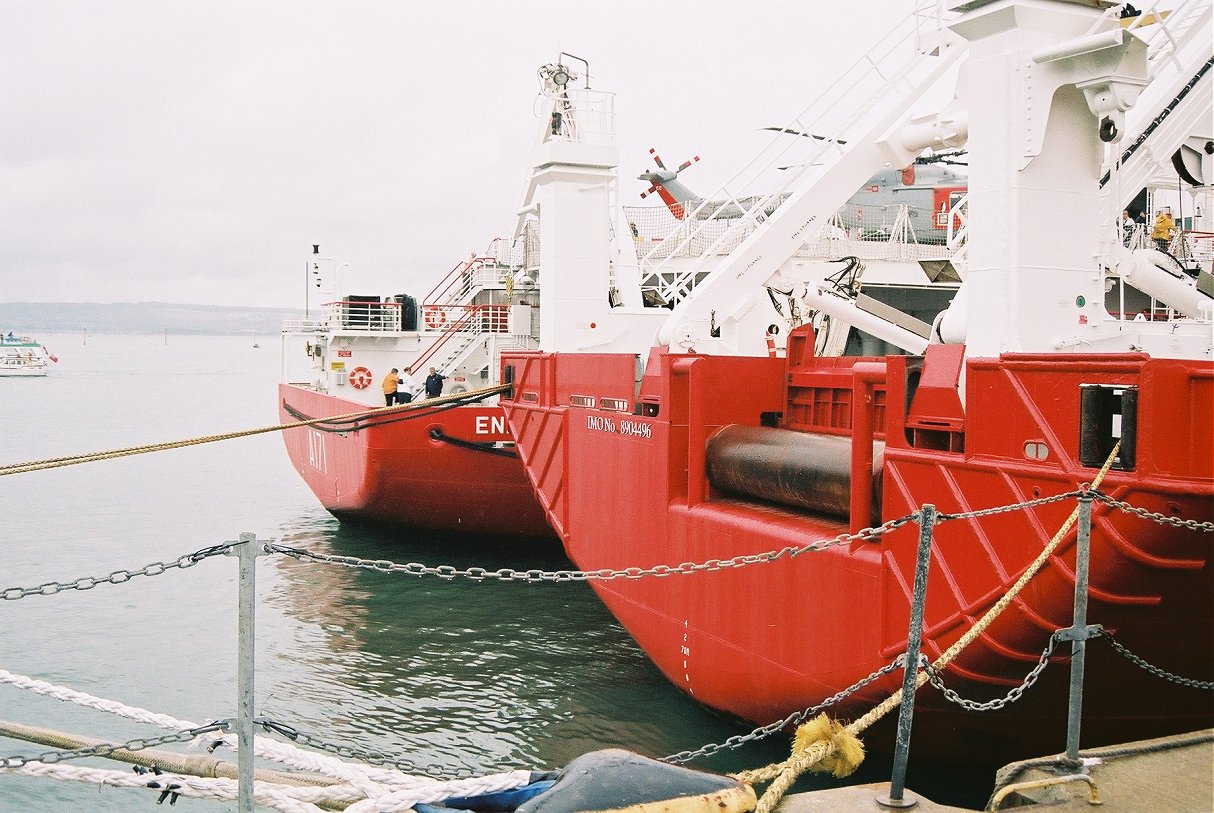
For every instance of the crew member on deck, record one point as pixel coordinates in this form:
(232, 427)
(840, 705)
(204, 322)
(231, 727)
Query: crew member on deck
(390, 387)
(1165, 228)
(434, 384)
(405, 385)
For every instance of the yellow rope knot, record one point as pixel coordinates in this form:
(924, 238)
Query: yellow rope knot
(845, 751)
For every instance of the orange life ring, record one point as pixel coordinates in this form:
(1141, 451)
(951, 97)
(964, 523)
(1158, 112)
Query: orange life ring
(435, 318)
(360, 378)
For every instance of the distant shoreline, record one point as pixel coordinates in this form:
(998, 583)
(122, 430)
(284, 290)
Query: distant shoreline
(136, 318)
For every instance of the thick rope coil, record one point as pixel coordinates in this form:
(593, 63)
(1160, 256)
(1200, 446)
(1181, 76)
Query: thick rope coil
(847, 750)
(786, 772)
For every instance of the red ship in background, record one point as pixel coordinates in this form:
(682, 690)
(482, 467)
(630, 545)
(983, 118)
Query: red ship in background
(1032, 376)
(447, 465)
(569, 280)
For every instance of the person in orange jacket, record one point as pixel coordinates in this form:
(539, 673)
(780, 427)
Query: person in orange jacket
(390, 387)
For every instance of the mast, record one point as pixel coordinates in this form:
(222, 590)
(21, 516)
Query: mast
(1046, 82)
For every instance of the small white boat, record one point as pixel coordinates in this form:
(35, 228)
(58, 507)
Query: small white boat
(23, 356)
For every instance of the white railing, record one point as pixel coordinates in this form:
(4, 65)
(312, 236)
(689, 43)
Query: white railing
(585, 116)
(812, 141)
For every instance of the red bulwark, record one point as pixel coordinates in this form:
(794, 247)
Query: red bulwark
(622, 474)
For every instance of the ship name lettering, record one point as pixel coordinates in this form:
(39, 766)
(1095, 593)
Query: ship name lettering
(490, 425)
(316, 451)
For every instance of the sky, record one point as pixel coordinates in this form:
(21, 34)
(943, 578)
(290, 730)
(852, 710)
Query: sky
(193, 152)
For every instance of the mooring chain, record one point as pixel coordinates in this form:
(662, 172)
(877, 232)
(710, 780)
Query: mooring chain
(450, 572)
(117, 576)
(934, 677)
(1154, 670)
(796, 718)
(1005, 509)
(105, 749)
(1162, 519)
(348, 752)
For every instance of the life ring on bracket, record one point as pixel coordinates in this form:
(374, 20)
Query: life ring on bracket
(435, 318)
(360, 378)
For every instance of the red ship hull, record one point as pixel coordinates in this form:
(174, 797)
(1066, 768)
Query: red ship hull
(397, 472)
(761, 641)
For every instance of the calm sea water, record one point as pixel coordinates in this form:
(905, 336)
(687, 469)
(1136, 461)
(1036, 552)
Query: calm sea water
(471, 677)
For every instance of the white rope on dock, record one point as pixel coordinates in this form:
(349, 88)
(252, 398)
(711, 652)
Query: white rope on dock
(387, 788)
(285, 798)
(401, 800)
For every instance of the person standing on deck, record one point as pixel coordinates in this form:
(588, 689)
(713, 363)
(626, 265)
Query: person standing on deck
(1165, 228)
(434, 384)
(390, 387)
(405, 385)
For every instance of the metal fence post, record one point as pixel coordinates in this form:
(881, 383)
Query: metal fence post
(244, 670)
(914, 639)
(1080, 632)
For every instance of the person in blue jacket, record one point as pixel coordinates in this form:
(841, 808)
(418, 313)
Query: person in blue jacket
(434, 384)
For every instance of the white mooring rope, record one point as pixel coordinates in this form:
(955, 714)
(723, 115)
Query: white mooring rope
(379, 789)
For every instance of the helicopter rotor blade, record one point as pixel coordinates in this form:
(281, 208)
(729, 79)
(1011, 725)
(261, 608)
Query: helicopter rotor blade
(686, 164)
(814, 136)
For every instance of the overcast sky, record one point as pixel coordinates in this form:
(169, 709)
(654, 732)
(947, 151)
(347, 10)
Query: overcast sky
(192, 152)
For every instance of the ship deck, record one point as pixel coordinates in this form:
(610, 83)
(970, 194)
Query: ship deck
(1172, 772)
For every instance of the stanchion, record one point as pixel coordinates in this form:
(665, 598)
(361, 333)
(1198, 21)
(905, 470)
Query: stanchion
(248, 552)
(1079, 632)
(914, 640)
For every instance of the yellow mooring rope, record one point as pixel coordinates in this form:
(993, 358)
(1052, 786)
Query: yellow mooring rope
(825, 745)
(56, 462)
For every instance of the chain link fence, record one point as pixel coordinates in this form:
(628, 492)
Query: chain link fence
(479, 574)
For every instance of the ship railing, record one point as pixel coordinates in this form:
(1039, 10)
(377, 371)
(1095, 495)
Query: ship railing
(1137, 236)
(304, 326)
(1172, 107)
(480, 271)
(802, 150)
(461, 325)
(529, 246)
(1194, 247)
(364, 314)
(583, 116)
(468, 279)
(1193, 254)
(868, 232)
(1165, 27)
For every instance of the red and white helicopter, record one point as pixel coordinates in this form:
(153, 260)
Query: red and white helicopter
(927, 188)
